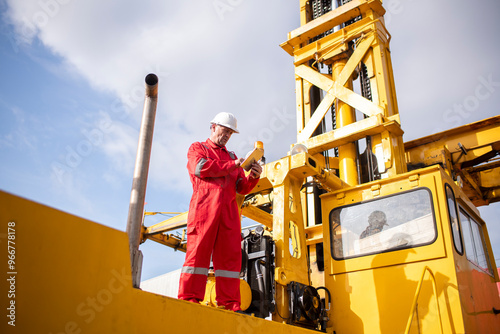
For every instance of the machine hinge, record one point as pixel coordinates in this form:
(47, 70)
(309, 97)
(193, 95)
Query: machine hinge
(375, 190)
(414, 180)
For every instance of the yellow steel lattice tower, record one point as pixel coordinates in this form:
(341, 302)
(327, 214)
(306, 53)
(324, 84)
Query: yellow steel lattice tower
(347, 39)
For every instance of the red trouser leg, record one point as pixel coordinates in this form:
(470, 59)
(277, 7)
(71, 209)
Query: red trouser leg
(192, 287)
(193, 280)
(227, 261)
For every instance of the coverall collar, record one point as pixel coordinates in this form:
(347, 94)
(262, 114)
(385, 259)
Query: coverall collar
(214, 145)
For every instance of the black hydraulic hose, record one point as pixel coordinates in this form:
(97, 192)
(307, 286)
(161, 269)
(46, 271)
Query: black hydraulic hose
(324, 317)
(329, 296)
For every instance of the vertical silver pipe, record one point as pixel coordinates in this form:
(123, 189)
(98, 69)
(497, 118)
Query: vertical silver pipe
(138, 194)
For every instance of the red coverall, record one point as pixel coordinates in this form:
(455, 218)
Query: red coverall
(213, 225)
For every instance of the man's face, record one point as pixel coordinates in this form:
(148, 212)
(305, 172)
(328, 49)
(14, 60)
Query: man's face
(220, 134)
(378, 222)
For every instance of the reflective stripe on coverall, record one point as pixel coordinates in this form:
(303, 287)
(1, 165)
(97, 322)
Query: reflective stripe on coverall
(213, 225)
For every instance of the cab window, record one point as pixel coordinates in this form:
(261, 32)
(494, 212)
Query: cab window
(453, 216)
(390, 223)
(475, 248)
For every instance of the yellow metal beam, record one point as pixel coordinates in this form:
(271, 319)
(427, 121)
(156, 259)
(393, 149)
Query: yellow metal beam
(319, 80)
(304, 165)
(287, 217)
(493, 195)
(362, 46)
(314, 234)
(345, 114)
(336, 89)
(329, 47)
(489, 178)
(264, 182)
(258, 215)
(161, 213)
(318, 115)
(465, 144)
(169, 240)
(477, 134)
(331, 19)
(176, 222)
(367, 127)
(473, 183)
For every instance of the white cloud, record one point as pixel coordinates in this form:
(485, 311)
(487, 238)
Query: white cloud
(205, 64)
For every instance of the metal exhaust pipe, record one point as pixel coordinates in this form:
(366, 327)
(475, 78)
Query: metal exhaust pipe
(138, 193)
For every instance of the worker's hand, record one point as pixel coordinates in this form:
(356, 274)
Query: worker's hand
(256, 170)
(238, 162)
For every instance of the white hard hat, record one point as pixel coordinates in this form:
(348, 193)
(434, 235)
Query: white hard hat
(226, 119)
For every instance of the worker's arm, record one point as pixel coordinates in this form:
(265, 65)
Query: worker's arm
(202, 166)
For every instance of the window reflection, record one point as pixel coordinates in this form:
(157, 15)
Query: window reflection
(393, 222)
(452, 213)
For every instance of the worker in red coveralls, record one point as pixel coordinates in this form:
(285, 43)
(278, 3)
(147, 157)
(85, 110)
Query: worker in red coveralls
(213, 225)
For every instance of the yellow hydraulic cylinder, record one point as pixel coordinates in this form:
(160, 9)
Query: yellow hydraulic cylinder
(345, 115)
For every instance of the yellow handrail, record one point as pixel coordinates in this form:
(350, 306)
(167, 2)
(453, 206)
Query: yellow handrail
(415, 298)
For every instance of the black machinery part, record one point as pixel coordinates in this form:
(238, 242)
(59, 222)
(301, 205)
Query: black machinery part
(258, 271)
(305, 305)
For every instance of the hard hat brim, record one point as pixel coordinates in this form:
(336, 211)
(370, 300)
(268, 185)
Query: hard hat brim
(226, 126)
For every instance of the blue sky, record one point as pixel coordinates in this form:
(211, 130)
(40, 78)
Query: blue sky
(71, 91)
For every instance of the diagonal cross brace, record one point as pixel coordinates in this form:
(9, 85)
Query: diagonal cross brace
(336, 89)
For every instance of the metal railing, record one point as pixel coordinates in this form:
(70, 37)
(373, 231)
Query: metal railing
(415, 299)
